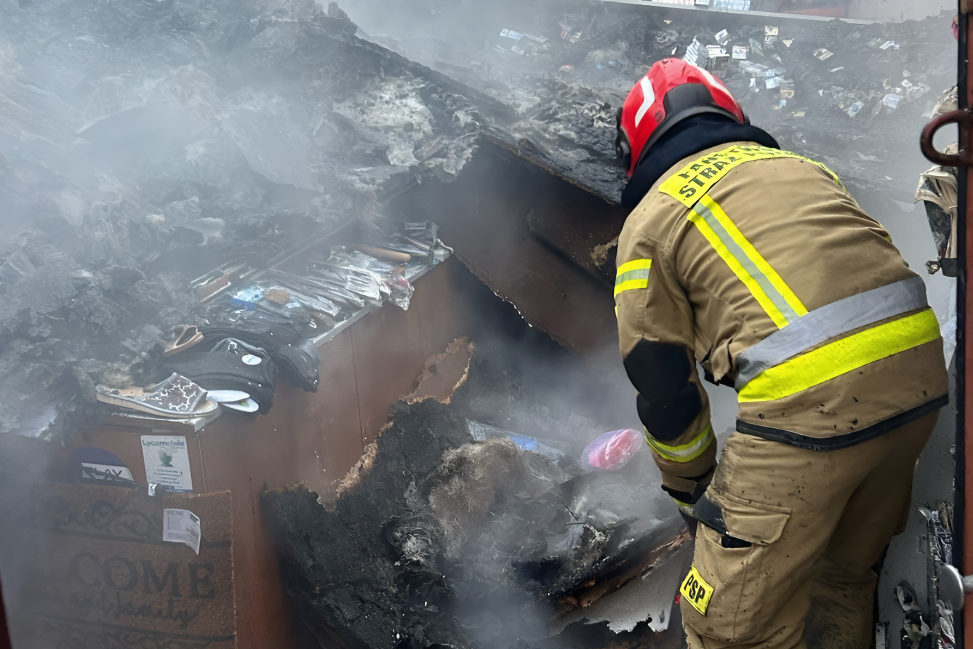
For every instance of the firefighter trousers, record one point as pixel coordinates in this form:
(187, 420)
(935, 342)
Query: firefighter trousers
(811, 525)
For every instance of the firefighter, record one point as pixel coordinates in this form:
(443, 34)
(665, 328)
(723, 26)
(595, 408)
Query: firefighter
(759, 265)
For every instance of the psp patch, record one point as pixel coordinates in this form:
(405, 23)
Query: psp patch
(696, 591)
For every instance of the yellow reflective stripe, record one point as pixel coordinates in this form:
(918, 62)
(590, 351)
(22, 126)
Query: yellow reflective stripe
(686, 452)
(766, 286)
(630, 285)
(842, 356)
(632, 275)
(695, 179)
(636, 264)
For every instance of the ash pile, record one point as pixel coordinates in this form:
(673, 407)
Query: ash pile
(437, 540)
(143, 144)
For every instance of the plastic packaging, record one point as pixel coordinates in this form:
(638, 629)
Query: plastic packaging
(611, 451)
(482, 432)
(399, 290)
(247, 298)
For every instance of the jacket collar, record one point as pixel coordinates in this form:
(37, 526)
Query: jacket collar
(688, 138)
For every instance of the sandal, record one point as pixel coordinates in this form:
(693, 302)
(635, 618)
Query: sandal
(177, 396)
(185, 336)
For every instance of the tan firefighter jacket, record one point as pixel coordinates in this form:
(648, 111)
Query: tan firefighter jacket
(758, 264)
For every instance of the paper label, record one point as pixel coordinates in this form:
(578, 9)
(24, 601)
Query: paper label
(166, 460)
(181, 526)
(740, 52)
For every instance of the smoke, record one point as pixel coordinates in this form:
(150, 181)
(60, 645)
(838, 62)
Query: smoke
(145, 143)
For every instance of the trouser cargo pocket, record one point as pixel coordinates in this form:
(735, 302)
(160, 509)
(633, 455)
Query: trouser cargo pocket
(734, 560)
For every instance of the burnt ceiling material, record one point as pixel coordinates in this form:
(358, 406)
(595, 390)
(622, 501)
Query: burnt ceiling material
(832, 90)
(145, 143)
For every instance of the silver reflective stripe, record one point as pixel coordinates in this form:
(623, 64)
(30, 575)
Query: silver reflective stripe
(828, 322)
(744, 260)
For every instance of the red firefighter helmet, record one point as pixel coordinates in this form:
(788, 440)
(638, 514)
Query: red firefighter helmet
(671, 91)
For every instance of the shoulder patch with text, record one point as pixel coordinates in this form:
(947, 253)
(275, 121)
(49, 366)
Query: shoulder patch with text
(692, 182)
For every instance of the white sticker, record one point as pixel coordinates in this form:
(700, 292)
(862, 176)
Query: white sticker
(109, 472)
(250, 359)
(181, 526)
(166, 460)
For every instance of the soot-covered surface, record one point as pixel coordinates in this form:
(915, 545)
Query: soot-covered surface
(436, 541)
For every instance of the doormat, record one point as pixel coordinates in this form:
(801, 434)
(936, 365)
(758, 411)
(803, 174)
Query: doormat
(86, 568)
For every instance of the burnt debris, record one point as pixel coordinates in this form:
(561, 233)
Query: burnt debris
(143, 144)
(434, 540)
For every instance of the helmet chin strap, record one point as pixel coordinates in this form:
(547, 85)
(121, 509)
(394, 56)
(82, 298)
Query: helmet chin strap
(623, 149)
